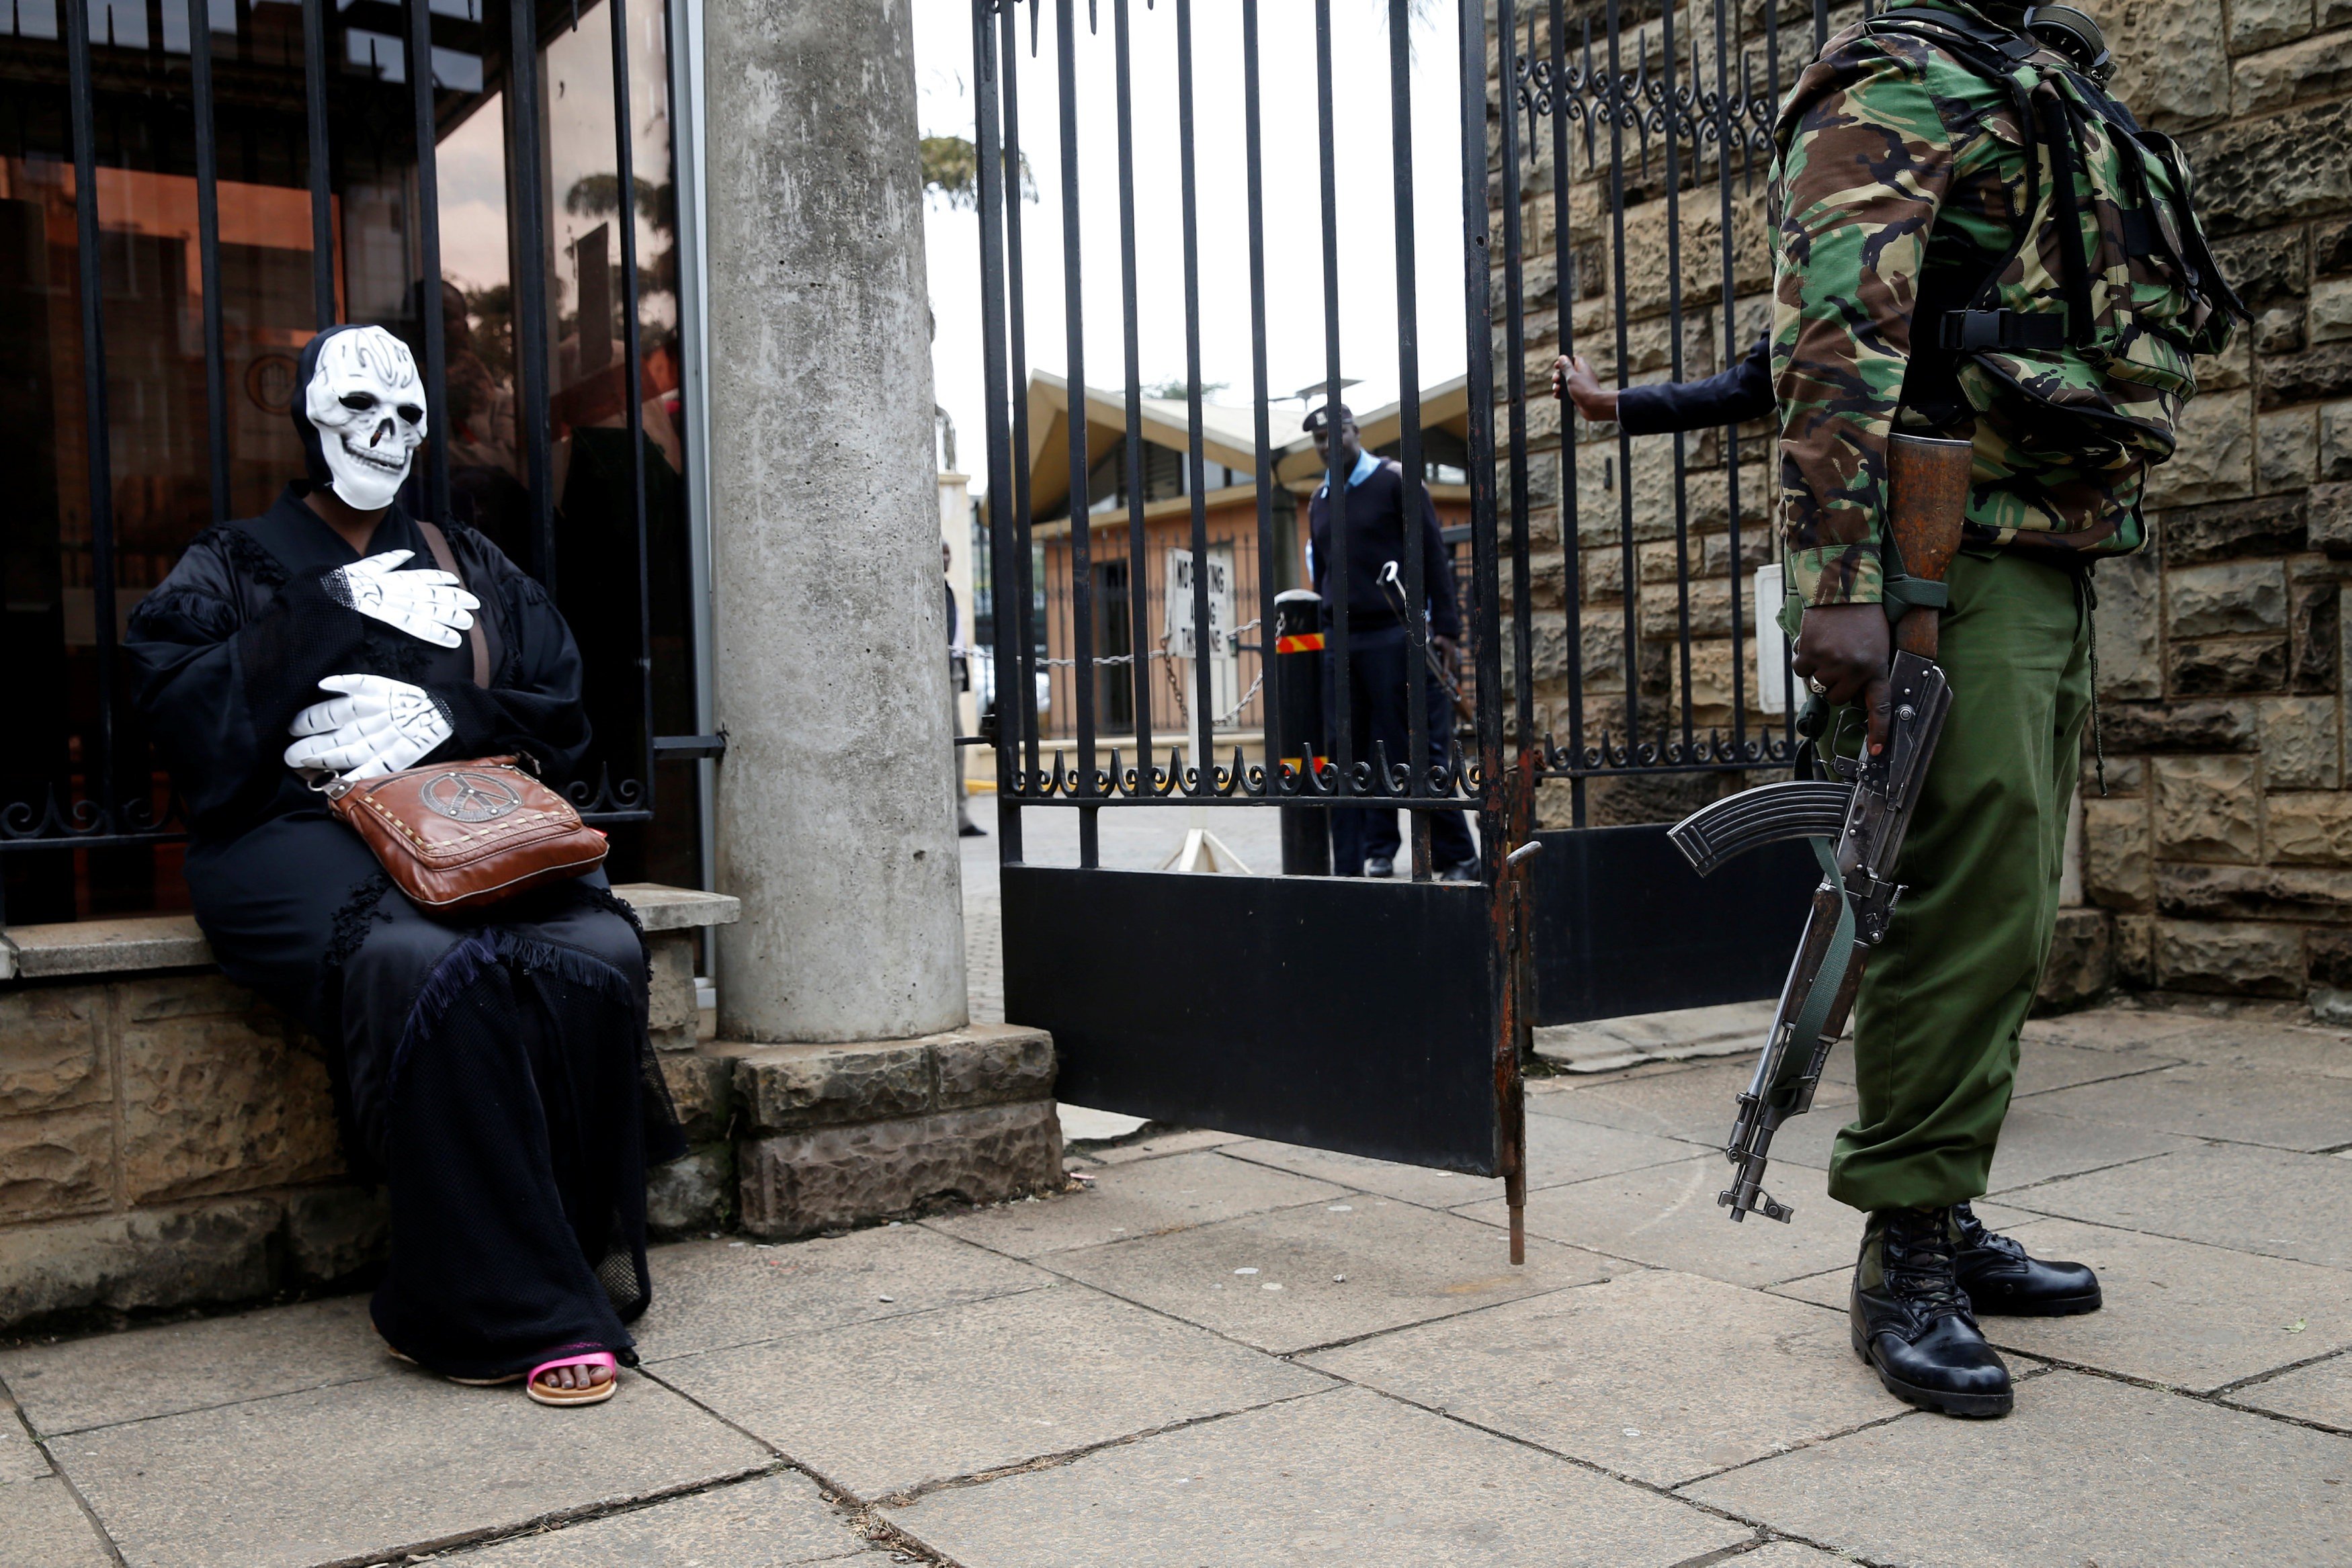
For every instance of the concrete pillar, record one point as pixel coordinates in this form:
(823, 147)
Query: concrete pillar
(829, 643)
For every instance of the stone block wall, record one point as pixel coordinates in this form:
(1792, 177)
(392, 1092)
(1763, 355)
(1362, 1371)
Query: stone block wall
(169, 1140)
(830, 1135)
(165, 1140)
(2220, 858)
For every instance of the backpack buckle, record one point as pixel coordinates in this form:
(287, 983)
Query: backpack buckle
(1968, 331)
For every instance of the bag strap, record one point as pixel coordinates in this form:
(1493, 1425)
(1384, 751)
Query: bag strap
(438, 543)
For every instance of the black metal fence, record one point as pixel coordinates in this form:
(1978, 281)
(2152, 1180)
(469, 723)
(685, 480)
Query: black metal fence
(1607, 574)
(1036, 768)
(1669, 110)
(188, 189)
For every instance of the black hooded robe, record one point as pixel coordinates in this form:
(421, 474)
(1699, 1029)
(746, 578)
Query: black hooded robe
(493, 1068)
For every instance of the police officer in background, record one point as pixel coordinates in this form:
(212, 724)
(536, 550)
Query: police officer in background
(1364, 842)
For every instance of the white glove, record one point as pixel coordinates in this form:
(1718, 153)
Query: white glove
(377, 726)
(432, 605)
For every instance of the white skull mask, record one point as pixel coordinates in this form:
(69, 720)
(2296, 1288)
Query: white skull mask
(368, 404)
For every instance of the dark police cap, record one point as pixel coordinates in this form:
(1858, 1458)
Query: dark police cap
(1318, 418)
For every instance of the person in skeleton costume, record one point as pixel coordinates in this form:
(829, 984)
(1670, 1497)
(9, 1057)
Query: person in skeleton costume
(492, 1071)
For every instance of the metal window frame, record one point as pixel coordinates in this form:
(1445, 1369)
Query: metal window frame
(113, 813)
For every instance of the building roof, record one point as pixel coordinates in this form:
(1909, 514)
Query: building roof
(1228, 433)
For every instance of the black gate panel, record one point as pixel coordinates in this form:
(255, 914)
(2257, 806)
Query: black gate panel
(1338, 1013)
(1623, 925)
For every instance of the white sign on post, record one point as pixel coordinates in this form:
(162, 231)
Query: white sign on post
(1772, 677)
(1176, 603)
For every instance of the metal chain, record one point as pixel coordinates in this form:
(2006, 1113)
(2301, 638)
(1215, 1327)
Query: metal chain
(1175, 687)
(1160, 652)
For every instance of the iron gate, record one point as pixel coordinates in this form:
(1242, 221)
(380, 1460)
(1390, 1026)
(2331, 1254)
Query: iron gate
(1231, 1001)
(1665, 133)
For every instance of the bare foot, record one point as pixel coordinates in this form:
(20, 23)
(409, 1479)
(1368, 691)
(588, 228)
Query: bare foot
(574, 1378)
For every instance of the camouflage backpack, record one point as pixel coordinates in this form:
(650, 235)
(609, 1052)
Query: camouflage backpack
(2081, 340)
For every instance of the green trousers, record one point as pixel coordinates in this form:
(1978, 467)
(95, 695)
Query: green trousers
(1937, 1020)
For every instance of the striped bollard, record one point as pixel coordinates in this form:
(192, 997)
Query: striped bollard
(1299, 707)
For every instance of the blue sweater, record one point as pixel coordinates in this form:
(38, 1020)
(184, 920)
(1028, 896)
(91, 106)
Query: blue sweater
(1375, 538)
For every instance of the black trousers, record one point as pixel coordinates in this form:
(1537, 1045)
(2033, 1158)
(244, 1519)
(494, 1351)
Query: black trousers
(1381, 702)
(490, 1069)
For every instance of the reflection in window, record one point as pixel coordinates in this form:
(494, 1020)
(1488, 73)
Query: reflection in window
(149, 289)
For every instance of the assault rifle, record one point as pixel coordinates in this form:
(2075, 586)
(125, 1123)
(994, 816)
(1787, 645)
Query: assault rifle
(1855, 819)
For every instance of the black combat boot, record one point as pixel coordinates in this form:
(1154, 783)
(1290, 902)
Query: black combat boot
(2002, 1279)
(1912, 1323)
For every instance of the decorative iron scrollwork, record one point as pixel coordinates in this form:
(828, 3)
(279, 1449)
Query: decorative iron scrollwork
(1642, 100)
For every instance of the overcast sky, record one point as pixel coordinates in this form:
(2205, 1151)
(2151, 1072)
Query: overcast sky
(1293, 212)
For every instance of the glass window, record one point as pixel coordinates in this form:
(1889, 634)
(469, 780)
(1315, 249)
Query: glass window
(111, 508)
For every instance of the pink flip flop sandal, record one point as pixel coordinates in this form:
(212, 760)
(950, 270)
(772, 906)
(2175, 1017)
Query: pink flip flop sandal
(595, 1393)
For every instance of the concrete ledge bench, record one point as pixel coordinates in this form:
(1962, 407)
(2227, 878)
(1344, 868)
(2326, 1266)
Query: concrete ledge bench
(167, 1140)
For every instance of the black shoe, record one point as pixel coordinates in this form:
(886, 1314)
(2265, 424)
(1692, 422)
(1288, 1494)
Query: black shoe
(1379, 865)
(2000, 1277)
(1912, 1321)
(971, 830)
(1461, 871)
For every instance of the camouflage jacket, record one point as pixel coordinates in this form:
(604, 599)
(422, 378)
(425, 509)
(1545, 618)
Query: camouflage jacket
(1895, 162)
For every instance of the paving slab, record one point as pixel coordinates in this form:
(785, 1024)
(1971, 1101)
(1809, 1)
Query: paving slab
(41, 1526)
(1328, 1273)
(109, 1378)
(375, 1470)
(1577, 1083)
(2044, 1064)
(2175, 1312)
(1684, 1102)
(1150, 1197)
(772, 1521)
(2276, 1048)
(2267, 1201)
(1666, 1217)
(1788, 1555)
(2038, 1146)
(1605, 1043)
(20, 1456)
(1175, 1141)
(712, 1293)
(2322, 1393)
(2241, 1104)
(2087, 1470)
(1081, 1125)
(1698, 1105)
(1344, 1477)
(2122, 1029)
(877, 1408)
(1559, 1151)
(1657, 1376)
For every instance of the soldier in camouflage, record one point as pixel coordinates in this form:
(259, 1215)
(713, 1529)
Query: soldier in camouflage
(1902, 178)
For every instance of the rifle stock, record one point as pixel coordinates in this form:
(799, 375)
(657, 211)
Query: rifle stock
(1926, 502)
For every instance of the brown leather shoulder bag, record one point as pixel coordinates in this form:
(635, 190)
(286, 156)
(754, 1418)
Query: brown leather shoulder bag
(461, 835)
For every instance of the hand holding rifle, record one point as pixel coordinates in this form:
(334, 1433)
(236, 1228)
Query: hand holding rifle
(1856, 821)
